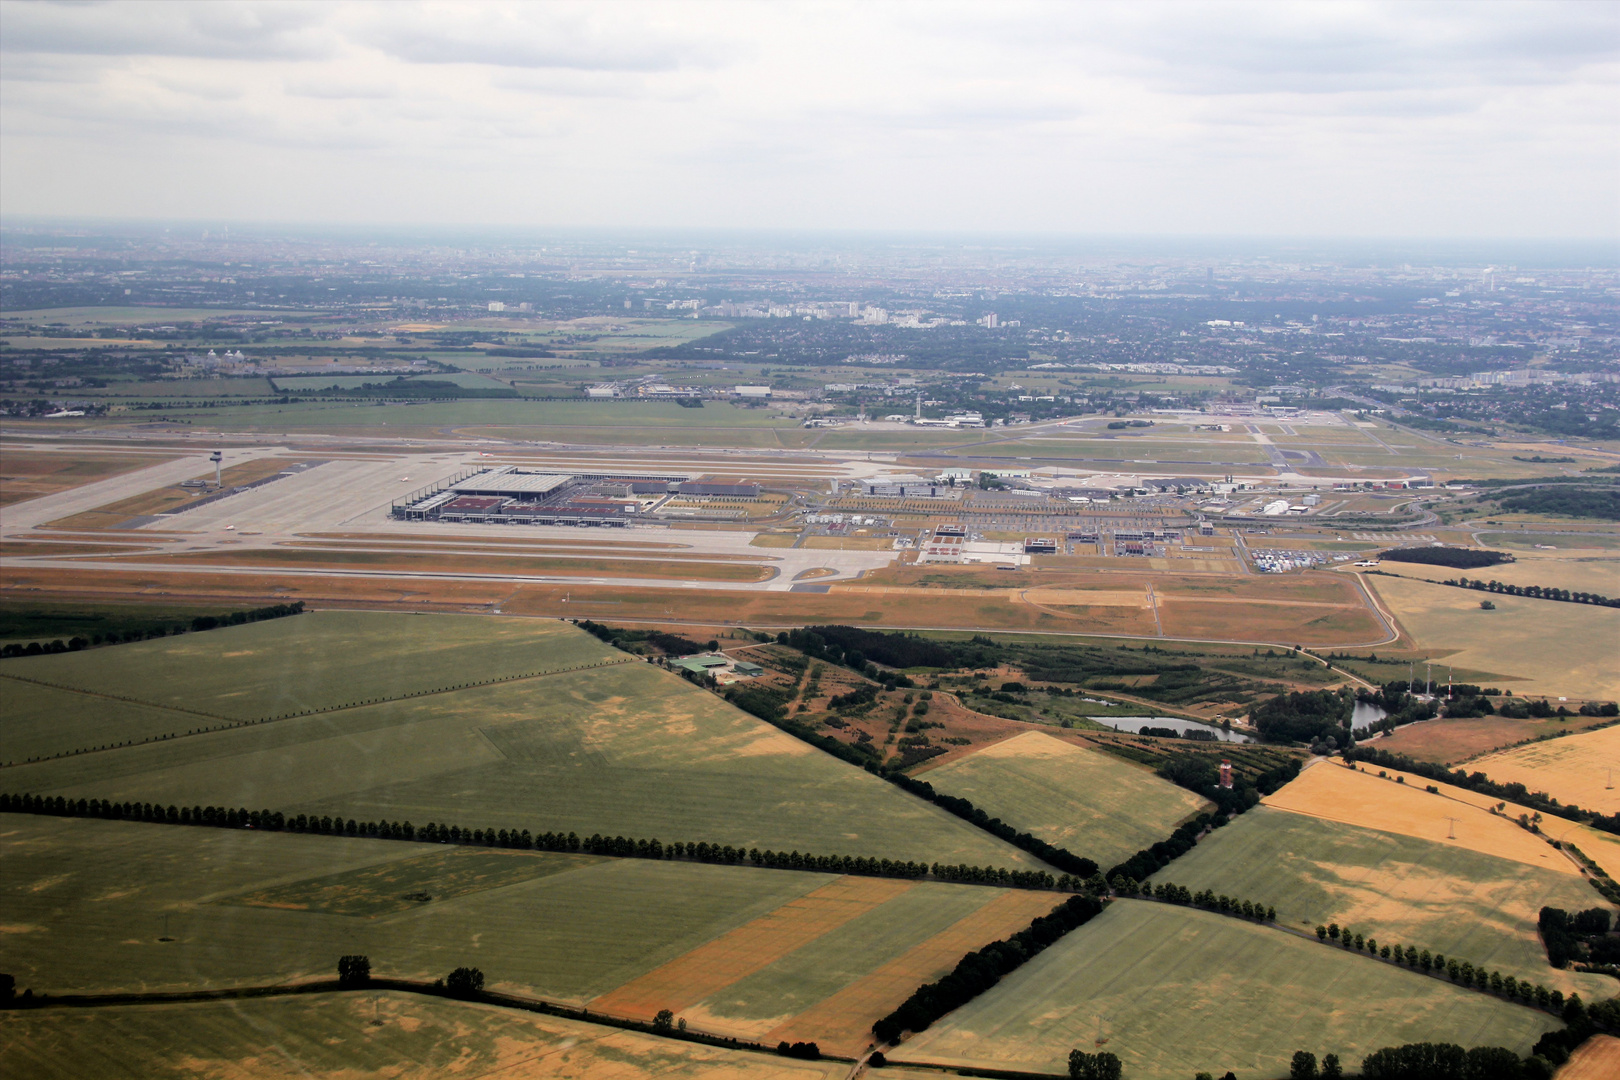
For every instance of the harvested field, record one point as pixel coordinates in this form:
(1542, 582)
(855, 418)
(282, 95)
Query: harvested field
(622, 749)
(343, 1036)
(689, 979)
(1570, 653)
(1588, 572)
(1184, 990)
(1398, 889)
(1601, 847)
(1597, 1059)
(1447, 742)
(1576, 769)
(842, 1023)
(28, 474)
(1354, 797)
(1093, 803)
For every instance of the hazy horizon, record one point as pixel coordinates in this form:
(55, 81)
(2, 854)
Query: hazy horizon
(1285, 122)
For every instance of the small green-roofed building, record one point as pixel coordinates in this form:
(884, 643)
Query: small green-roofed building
(743, 667)
(703, 664)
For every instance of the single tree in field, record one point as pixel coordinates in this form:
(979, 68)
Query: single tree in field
(464, 981)
(664, 1020)
(354, 970)
(1084, 1066)
(1331, 1069)
(1303, 1067)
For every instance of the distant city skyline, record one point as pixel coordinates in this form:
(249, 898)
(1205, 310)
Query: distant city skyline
(1465, 121)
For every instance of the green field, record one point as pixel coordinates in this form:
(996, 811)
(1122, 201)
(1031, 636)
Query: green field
(1177, 990)
(1095, 804)
(42, 721)
(86, 903)
(314, 661)
(626, 749)
(401, 1036)
(1562, 540)
(1398, 889)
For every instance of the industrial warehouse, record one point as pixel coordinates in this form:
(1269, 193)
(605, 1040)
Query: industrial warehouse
(510, 496)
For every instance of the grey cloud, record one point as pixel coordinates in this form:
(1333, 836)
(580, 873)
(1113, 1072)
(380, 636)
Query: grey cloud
(591, 38)
(1316, 48)
(238, 31)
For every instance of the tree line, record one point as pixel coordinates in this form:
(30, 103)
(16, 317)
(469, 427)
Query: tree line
(1051, 854)
(1461, 972)
(1197, 774)
(981, 969)
(198, 624)
(1478, 781)
(620, 638)
(1535, 592)
(595, 844)
(1209, 900)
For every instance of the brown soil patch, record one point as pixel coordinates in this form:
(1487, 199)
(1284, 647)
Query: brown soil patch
(1335, 793)
(605, 546)
(689, 979)
(587, 565)
(842, 1024)
(23, 547)
(441, 539)
(1268, 621)
(26, 474)
(1597, 1059)
(1089, 597)
(114, 514)
(1576, 769)
(1446, 742)
(711, 607)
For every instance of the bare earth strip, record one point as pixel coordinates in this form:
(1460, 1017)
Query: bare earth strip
(1336, 793)
(842, 1024)
(1576, 769)
(689, 979)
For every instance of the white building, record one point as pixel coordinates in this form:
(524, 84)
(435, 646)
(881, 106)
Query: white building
(496, 305)
(752, 391)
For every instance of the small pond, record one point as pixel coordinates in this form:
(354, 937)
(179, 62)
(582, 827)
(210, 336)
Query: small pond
(1137, 723)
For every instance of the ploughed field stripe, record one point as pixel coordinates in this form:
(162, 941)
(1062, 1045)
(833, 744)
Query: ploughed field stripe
(843, 1023)
(711, 967)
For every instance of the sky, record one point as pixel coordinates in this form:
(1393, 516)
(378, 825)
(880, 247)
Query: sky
(1314, 119)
